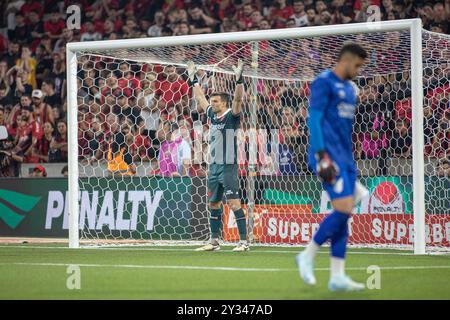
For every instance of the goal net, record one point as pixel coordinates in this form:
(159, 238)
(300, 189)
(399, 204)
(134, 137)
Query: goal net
(142, 146)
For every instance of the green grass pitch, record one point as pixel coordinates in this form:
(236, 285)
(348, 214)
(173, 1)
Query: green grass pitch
(32, 271)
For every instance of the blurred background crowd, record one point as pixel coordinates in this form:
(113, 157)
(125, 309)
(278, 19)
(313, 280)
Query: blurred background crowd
(149, 107)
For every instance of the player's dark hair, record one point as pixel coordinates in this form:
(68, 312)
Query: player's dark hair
(353, 48)
(224, 97)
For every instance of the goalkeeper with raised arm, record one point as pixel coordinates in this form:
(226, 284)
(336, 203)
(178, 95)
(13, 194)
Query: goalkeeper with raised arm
(223, 168)
(330, 122)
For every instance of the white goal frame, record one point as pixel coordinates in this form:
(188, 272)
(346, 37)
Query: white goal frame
(414, 26)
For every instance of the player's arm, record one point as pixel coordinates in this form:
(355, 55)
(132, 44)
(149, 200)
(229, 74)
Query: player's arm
(199, 96)
(236, 106)
(320, 98)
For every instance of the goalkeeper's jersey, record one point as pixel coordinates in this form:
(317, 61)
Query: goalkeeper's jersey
(223, 136)
(336, 99)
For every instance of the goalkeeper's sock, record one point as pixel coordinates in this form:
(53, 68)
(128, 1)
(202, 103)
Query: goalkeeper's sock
(330, 226)
(215, 222)
(311, 249)
(337, 266)
(241, 224)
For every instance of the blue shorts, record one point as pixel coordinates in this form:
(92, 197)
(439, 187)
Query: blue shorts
(344, 185)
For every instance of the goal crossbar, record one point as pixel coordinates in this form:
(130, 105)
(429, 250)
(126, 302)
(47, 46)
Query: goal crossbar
(245, 36)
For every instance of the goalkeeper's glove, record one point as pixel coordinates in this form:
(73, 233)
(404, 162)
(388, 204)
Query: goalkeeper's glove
(327, 170)
(192, 73)
(238, 71)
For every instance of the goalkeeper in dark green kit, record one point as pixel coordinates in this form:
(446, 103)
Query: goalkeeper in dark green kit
(224, 122)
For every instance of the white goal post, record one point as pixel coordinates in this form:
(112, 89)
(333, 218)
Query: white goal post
(413, 26)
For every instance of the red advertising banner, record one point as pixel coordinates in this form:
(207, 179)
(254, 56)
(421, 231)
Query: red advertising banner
(364, 228)
(230, 232)
(293, 224)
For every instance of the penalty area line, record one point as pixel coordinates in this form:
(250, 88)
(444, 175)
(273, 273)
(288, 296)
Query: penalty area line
(207, 268)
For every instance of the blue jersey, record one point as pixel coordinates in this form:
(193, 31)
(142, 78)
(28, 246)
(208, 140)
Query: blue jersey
(330, 120)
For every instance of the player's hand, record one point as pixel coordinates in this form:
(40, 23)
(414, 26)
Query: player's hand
(327, 170)
(191, 70)
(238, 71)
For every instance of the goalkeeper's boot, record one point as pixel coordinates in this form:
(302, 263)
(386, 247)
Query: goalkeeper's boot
(212, 246)
(305, 267)
(242, 246)
(344, 283)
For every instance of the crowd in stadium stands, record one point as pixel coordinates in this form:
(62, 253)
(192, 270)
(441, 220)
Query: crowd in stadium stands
(151, 106)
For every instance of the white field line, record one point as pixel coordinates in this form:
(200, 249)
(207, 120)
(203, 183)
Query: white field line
(208, 268)
(193, 250)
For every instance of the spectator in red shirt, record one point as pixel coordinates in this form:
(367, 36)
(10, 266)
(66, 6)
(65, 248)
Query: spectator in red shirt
(3, 45)
(34, 125)
(11, 121)
(142, 144)
(437, 95)
(28, 131)
(54, 26)
(279, 13)
(173, 90)
(127, 80)
(38, 172)
(243, 16)
(31, 5)
(41, 146)
(112, 88)
(222, 9)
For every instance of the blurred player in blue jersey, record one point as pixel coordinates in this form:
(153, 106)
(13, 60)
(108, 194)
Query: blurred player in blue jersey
(330, 121)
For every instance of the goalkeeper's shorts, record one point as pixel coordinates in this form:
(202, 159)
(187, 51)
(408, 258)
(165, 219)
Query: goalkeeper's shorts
(343, 186)
(223, 181)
